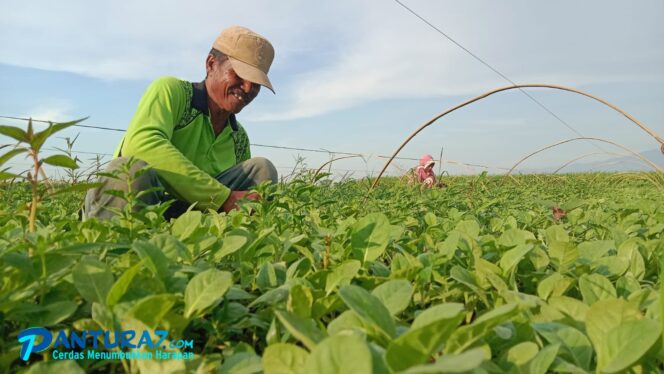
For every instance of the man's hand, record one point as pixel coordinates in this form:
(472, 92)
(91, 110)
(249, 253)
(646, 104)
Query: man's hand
(230, 203)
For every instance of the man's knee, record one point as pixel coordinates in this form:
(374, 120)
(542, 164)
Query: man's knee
(123, 169)
(263, 169)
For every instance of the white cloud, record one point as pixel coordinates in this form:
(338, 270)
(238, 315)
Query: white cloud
(51, 110)
(338, 55)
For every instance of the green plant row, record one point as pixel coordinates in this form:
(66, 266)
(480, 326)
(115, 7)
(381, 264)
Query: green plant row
(554, 274)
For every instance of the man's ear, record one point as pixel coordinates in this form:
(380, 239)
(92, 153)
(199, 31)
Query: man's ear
(209, 63)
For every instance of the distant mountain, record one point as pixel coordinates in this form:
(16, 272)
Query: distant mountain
(619, 163)
(613, 164)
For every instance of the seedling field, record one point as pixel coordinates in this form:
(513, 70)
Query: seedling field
(535, 274)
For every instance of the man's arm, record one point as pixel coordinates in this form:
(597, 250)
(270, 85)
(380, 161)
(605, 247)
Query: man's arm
(149, 139)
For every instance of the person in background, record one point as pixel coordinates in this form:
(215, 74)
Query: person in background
(424, 171)
(187, 137)
(424, 175)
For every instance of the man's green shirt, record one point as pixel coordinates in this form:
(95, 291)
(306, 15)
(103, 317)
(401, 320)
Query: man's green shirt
(172, 132)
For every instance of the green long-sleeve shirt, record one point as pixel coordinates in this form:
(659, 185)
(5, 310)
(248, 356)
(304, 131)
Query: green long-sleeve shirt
(172, 132)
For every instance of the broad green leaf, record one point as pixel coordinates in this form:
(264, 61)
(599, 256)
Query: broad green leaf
(627, 343)
(104, 316)
(283, 358)
(511, 258)
(539, 258)
(349, 320)
(173, 249)
(267, 277)
(10, 154)
(574, 308)
(53, 313)
(370, 236)
(122, 284)
(62, 161)
(612, 266)
(14, 132)
(55, 367)
(229, 245)
(340, 354)
(554, 285)
(369, 308)
(205, 289)
(151, 309)
(271, 297)
(513, 237)
(242, 363)
(522, 353)
(594, 250)
(574, 345)
(556, 233)
(395, 295)
(605, 316)
(465, 277)
(152, 366)
(595, 287)
(187, 224)
(453, 363)
(430, 219)
(92, 279)
(465, 336)
(303, 329)
(469, 227)
(300, 300)
(563, 255)
(342, 275)
(561, 366)
(153, 258)
(541, 363)
(425, 337)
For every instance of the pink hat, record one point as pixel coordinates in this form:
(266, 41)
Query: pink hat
(426, 160)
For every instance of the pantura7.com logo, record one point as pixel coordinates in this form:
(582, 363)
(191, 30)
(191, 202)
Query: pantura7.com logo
(116, 345)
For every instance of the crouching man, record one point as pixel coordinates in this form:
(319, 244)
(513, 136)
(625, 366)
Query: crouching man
(188, 137)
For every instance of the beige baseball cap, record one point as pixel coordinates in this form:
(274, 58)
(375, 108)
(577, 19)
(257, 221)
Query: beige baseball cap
(250, 54)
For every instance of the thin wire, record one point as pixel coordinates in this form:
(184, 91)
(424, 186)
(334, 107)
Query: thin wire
(76, 125)
(255, 145)
(79, 152)
(494, 70)
(121, 130)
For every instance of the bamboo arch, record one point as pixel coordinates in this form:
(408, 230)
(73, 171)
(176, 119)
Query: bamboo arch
(516, 86)
(650, 163)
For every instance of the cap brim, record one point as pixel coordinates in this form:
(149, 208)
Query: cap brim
(250, 73)
(430, 163)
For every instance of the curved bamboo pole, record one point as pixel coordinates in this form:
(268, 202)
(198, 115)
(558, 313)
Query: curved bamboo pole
(657, 168)
(517, 86)
(586, 156)
(329, 162)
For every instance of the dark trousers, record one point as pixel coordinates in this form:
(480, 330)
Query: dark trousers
(101, 205)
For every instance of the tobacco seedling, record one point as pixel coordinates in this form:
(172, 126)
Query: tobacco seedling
(31, 142)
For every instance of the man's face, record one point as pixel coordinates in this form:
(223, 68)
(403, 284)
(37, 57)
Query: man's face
(226, 89)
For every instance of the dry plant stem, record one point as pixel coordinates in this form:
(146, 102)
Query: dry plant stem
(657, 168)
(484, 95)
(588, 155)
(34, 180)
(46, 180)
(624, 177)
(331, 161)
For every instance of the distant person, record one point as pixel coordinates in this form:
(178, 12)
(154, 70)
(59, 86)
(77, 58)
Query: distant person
(189, 137)
(424, 175)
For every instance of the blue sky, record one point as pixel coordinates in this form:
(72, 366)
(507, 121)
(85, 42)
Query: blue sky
(354, 76)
